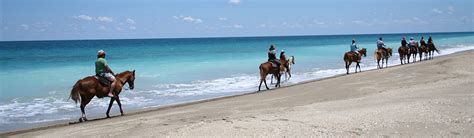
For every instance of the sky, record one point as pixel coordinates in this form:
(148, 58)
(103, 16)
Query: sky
(131, 19)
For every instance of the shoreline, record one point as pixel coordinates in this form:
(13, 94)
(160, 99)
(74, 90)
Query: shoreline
(139, 112)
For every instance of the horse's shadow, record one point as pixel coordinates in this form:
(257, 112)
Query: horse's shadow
(95, 119)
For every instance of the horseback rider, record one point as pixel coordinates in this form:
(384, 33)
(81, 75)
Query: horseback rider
(412, 43)
(430, 40)
(282, 55)
(404, 41)
(272, 56)
(381, 45)
(102, 69)
(354, 47)
(422, 41)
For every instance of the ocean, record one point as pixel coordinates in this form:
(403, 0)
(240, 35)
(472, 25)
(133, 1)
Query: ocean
(37, 76)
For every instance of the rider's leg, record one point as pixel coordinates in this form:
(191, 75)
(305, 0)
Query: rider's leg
(111, 78)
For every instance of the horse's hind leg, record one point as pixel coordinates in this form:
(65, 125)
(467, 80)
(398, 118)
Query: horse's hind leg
(84, 101)
(110, 106)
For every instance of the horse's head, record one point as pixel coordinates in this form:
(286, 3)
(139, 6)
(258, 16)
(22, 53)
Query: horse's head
(389, 50)
(293, 59)
(131, 79)
(363, 51)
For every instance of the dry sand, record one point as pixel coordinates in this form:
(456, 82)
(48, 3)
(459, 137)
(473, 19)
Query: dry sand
(429, 98)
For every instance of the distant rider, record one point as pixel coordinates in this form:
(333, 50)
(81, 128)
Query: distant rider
(381, 45)
(272, 56)
(404, 41)
(422, 41)
(102, 69)
(430, 40)
(282, 55)
(412, 42)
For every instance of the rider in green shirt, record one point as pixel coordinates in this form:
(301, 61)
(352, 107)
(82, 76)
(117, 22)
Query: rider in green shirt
(102, 69)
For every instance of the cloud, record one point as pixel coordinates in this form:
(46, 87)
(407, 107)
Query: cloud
(25, 27)
(5, 28)
(359, 22)
(102, 27)
(222, 19)
(84, 17)
(436, 10)
(132, 28)
(104, 19)
(451, 9)
(235, 2)
(318, 22)
(237, 26)
(130, 21)
(91, 18)
(188, 19)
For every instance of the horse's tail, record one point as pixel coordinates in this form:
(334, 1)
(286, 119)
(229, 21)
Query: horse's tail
(75, 92)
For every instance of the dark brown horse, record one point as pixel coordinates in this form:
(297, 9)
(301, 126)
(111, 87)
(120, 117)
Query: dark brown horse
(423, 49)
(350, 57)
(414, 51)
(90, 86)
(404, 53)
(381, 55)
(431, 49)
(265, 69)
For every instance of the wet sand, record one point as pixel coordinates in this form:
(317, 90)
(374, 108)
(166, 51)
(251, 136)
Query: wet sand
(428, 98)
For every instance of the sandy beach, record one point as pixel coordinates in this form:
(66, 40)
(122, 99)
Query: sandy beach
(428, 98)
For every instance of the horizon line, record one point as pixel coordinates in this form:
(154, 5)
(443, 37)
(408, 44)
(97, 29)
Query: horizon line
(216, 37)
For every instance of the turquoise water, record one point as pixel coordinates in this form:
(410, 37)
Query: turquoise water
(37, 76)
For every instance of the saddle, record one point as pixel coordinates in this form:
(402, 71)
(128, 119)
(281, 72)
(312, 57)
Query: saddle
(103, 80)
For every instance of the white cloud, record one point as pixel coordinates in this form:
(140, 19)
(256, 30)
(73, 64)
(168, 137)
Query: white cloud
(104, 19)
(119, 28)
(102, 27)
(359, 22)
(436, 10)
(130, 21)
(188, 19)
(83, 17)
(222, 19)
(234, 2)
(318, 22)
(237, 26)
(25, 27)
(133, 28)
(263, 25)
(451, 9)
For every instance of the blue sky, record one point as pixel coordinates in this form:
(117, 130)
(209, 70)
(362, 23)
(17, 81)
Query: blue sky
(120, 19)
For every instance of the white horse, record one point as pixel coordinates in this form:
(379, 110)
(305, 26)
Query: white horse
(287, 71)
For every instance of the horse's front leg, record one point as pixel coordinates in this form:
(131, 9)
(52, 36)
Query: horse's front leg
(119, 104)
(110, 106)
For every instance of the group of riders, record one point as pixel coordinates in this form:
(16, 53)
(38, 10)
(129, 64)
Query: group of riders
(381, 45)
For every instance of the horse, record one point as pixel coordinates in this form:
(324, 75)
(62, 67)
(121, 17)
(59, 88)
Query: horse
(404, 53)
(414, 51)
(265, 69)
(90, 86)
(285, 67)
(350, 57)
(423, 49)
(287, 70)
(431, 50)
(381, 55)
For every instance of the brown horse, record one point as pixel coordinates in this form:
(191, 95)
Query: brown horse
(265, 69)
(414, 52)
(90, 86)
(423, 49)
(381, 55)
(431, 49)
(285, 67)
(404, 53)
(350, 57)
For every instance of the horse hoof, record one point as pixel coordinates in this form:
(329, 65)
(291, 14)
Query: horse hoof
(121, 114)
(85, 119)
(80, 120)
